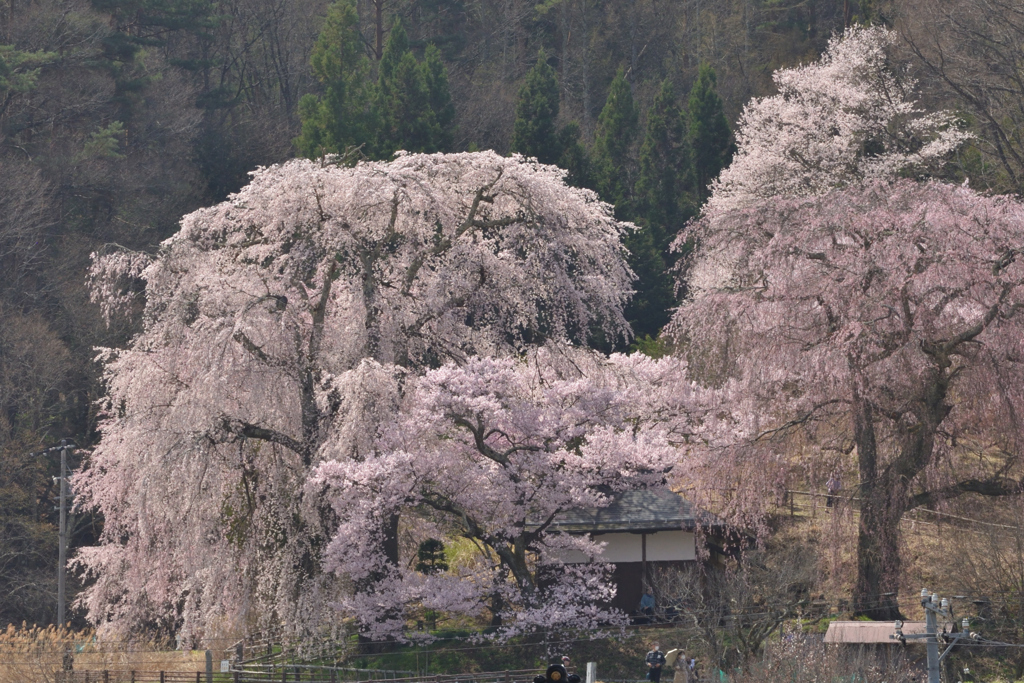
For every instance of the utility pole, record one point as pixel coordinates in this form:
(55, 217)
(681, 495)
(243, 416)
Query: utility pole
(933, 609)
(65, 446)
(63, 551)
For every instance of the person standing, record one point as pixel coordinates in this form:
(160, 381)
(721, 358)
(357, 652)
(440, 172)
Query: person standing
(832, 486)
(682, 669)
(655, 661)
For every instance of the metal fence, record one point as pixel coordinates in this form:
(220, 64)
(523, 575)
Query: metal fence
(113, 676)
(286, 673)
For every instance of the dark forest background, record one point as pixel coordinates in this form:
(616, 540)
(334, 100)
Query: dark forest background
(119, 116)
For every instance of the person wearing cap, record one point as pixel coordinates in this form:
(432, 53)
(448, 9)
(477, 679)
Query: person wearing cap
(655, 659)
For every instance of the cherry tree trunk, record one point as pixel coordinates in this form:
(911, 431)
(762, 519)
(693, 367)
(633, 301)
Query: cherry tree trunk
(878, 561)
(885, 491)
(878, 558)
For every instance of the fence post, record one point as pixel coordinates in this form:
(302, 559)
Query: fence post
(209, 666)
(106, 676)
(162, 677)
(133, 676)
(591, 672)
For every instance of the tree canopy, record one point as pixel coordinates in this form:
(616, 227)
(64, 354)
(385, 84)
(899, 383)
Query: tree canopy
(279, 328)
(845, 119)
(341, 117)
(517, 443)
(881, 320)
(710, 136)
(535, 132)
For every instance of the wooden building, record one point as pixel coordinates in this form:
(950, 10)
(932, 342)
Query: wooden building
(641, 530)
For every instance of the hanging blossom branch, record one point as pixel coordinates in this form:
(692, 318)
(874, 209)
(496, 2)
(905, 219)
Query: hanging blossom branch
(495, 449)
(279, 329)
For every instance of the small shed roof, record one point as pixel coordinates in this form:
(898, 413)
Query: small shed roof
(640, 511)
(870, 632)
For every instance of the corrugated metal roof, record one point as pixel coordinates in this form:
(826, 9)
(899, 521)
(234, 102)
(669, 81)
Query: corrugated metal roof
(654, 509)
(867, 632)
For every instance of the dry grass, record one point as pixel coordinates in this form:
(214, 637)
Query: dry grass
(32, 654)
(807, 660)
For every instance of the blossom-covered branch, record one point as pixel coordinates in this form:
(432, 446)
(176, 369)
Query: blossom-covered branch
(281, 328)
(493, 450)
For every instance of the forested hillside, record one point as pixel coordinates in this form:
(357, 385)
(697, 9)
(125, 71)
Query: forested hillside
(117, 117)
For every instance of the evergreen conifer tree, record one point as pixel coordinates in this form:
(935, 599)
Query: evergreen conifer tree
(341, 117)
(710, 136)
(665, 179)
(662, 206)
(649, 309)
(406, 120)
(440, 99)
(534, 133)
(574, 157)
(616, 127)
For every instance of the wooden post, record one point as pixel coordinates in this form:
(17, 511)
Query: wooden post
(643, 558)
(133, 676)
(162, 677)
(106, 676)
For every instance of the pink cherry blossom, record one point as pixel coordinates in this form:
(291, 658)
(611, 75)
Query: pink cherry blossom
(493, 449)
(846, 119)
(283, 328)
(876, 328)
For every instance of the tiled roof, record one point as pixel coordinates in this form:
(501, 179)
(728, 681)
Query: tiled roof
(654, 509)
(870, 631)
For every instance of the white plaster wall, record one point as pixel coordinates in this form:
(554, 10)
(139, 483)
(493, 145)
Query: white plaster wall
(664, 546)
(620, 547)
